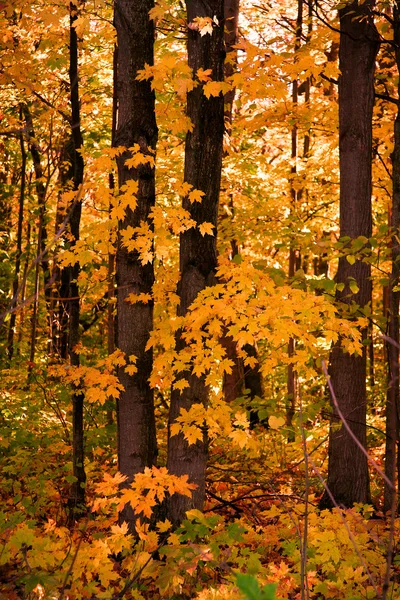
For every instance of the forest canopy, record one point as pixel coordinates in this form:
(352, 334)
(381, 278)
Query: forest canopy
(199, 299)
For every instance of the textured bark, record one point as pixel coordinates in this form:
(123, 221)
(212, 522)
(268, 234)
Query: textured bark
(348, 478)
(392, 395)
(198, 254)
(136, 124)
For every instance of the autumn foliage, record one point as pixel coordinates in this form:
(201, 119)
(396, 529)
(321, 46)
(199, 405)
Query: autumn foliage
(171, 232)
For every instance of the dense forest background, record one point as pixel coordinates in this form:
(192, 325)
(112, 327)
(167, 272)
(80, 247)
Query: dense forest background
(199, 299)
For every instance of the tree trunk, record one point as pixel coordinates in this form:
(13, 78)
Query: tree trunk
(77, 492)
(22, 293)
(13, 316)
(392, 395)
(137, 443)
(6, 195)
(198, 254)
(348, 478)
(41, 196)
(111, 252)
(293, 258)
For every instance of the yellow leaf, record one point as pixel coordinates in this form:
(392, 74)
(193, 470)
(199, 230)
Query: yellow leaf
(206, 228)
(241, 420)
(181, 384)
(163, 526)
(196, 196)
(276, 422)
(204, 75)
(215, 88)
(133, 298)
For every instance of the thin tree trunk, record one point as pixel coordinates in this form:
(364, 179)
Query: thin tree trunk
(348, 477)
(42, 237)
(35, 310)
(41, 196)
(136, 124)
(23, 288)
(5, 228)
(233, 382)
(111, 252)
(198, 254)
(77, 492)
(11, 330)
(295, 196)
(392, 395)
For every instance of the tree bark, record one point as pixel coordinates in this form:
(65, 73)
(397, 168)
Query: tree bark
(13, 316)
(198, 254)
(77, 492)
(348, 477)
(392, 395)
(136, 124)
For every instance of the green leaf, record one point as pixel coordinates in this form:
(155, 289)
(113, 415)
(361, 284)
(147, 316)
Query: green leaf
(250, 587)
(354, 287)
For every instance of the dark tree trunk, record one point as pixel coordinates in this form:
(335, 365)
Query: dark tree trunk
(5, 228)
(136, 124)
(293, 254)
(22, 293)
(111, 252)
(392, 395)
(348, 478)
(198, 254)
(11, 330)
(77, 492)
(233, 382)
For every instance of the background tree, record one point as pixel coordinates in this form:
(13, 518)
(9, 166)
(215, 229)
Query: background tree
(392, 401)
(348, 478)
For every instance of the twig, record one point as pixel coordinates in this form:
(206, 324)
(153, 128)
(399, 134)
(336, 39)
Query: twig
(13, 305)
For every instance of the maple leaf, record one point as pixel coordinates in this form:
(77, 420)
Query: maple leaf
(215, 88)
(206, 228)
(181, 384)
(196, 196)
(204, 74)
(163, 526)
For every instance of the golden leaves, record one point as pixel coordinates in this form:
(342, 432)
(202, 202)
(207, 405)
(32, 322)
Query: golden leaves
(215, 88)
(206, 228)
(151, 487)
